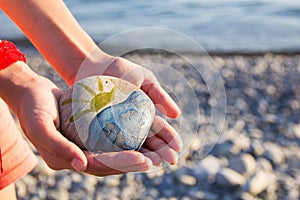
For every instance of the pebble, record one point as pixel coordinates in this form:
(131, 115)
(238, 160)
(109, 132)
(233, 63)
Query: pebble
(264, 164)
(64, 182)
(256, 133)
(257, 148)
(196, 194)
(296, 130)
(60, 194)
(226, 149)
(291, 187)
(208, 167)
(243, 142)
(41, 194)
(112, 181)
(152, 192)
(244, 164)
(273, 153)
(89, 183)
(21, 189)
(229, 178)
(187, 180)
(239, 125)
(30, 183)
(259, 182)
(247, 196)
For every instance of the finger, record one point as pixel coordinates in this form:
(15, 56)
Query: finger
(60, 152)
(164, 103)
(162, 129)
(116, 163)
(155, 157)
(157, 145)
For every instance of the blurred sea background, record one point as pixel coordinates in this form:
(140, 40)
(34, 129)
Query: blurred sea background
(218, 25)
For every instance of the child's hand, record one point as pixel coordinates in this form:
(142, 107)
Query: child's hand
(34, 100)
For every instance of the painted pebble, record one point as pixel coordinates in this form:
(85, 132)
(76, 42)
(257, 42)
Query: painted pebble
(105, 114)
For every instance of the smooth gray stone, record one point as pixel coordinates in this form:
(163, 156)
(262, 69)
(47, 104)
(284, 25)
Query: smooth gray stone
(105, 114)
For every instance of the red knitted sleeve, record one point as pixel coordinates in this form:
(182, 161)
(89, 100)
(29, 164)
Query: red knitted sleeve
(9, 54)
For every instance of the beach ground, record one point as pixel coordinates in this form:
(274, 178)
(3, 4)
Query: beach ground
(256, 157)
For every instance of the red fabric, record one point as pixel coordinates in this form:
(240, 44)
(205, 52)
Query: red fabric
(9, 54)
(1, 161)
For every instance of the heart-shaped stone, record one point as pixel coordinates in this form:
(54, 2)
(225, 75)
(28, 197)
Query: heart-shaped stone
(103, 113)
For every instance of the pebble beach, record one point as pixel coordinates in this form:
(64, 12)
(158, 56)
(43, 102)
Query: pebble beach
(256, 157)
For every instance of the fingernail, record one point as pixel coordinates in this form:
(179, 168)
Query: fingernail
(158, 164)
(141, 158)
(78, 165)
(146, 165)
(180, 145)
(175, 161)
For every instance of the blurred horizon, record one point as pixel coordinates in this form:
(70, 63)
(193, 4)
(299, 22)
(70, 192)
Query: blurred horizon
(218, 25)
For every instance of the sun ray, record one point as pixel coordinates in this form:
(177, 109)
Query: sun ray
(70, 100)
(100, 85)
(87, 88)
(98, 101)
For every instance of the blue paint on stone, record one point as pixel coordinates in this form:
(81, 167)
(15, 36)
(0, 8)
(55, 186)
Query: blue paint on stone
(122, 126)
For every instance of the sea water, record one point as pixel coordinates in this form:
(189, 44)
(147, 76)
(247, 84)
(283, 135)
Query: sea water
(218, 25)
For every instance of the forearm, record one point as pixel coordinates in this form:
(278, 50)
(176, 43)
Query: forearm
(55, 33)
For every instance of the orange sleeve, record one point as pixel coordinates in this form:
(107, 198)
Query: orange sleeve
(17, 157)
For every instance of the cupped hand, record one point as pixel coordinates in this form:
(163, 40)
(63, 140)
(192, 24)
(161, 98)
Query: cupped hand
(163, 141)
(38, 114)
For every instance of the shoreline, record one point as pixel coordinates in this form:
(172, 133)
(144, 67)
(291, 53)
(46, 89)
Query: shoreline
(29, 49)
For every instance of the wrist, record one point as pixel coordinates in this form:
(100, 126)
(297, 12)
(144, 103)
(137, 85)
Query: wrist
(94, 63)
(13, 80)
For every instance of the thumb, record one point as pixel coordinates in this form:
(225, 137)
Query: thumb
(57, 151)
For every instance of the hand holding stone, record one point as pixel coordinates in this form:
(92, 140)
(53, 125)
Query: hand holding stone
(163, 142)
(106, 114)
